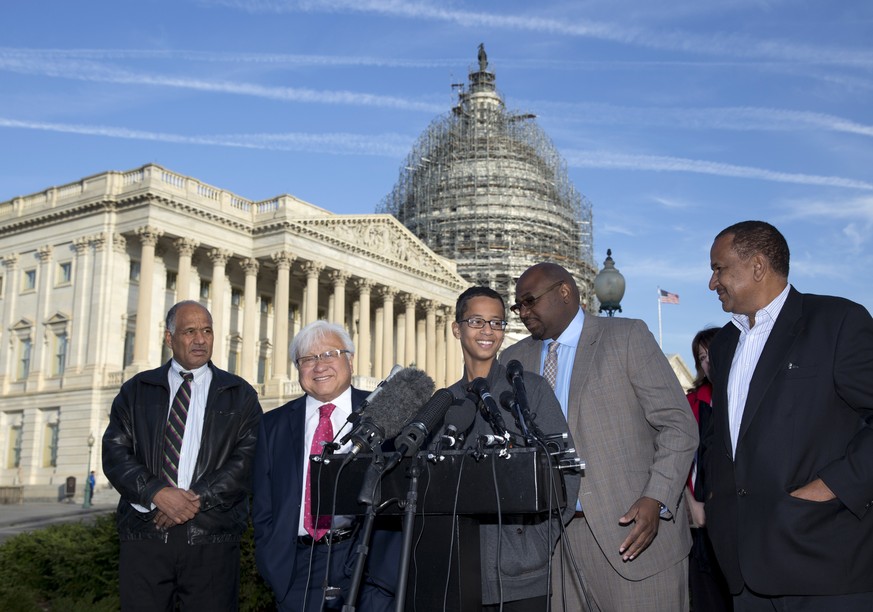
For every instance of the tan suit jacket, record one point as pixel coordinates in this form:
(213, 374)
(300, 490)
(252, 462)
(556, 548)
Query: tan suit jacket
(633, 428)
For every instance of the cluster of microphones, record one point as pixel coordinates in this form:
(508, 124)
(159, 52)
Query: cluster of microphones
(405, 409)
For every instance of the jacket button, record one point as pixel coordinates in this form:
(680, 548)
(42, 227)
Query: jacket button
(742, 492)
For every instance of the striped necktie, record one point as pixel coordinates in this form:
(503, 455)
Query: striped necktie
(175, 431)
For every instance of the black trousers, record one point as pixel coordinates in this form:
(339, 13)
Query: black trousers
(155, 576)
(747, 601)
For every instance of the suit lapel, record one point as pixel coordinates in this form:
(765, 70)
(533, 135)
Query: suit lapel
(295, 428)
(720, 402)
(773, 356)
(583, 364)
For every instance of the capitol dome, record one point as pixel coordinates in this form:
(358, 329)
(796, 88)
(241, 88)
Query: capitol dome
(486, 187)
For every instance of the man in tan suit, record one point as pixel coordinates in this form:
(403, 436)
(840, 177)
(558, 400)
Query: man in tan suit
(633, 428)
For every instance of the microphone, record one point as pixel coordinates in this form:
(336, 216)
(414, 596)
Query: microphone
(479, 386)
(515, 376)
(375, 393)
(414, 434)
(459, 418)
(390, 410)
(527, 425)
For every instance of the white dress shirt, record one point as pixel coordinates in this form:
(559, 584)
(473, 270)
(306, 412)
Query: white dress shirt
(749, 348)
(339, 420)
(193, 423)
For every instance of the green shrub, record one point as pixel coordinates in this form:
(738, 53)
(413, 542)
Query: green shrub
(73, 567)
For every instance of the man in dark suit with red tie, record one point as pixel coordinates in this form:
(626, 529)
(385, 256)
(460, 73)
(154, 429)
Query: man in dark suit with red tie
(292, 550)
(179, 450)
(789, 458)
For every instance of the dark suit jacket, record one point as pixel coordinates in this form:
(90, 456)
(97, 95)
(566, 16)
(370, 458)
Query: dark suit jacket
(808, 415)
(277, 480)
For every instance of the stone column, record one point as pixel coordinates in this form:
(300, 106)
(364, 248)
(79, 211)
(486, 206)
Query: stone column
(387, 294)
(430, 337)
(186, 248)
(249, 328)
(43, 301)
(400, 350)
(7, 357)
(440, 378)
(364, 287)
(312, 270)
(148, 236)
(81, 291)
(283, 260)
(409, 300)
(219, 258)
(377, 341)
(453, 349)
(420, 344)
(99, 308)
(339, 279)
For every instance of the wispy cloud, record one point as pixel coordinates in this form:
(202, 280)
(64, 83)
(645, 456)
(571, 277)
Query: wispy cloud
(709, 45)
(853, 209)
(280, 59)
(656, 163)
(396, 145)
(737, 118)
(383, 145)
(86, 65)
(90, 71)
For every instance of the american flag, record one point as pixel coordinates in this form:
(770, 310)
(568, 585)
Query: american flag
(666, 297)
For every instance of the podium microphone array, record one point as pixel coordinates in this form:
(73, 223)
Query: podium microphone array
(388, 409)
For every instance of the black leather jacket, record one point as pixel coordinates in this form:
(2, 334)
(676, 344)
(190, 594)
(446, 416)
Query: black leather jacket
(132, 455)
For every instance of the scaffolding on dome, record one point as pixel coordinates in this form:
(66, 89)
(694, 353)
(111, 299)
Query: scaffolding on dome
(486, 188)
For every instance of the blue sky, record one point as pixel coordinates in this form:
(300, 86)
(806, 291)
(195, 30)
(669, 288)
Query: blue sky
(676, 118)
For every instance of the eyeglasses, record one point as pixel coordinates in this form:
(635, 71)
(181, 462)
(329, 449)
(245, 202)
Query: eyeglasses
(530, 302)
(309, 361)
(479, 323)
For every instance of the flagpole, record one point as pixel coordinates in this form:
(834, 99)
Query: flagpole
(660, 332)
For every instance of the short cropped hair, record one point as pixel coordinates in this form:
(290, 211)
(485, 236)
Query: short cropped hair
(170, 321)
(472, 292)
(311, 334)
(751, 237)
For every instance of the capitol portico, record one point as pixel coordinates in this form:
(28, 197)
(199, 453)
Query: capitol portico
(90, 268)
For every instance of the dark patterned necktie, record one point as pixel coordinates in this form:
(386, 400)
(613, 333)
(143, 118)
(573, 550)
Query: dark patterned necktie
(550, 367)
(175, 430)
(323, 433)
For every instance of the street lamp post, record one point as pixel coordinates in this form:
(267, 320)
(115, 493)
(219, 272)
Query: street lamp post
(87, 503)
(609, 286)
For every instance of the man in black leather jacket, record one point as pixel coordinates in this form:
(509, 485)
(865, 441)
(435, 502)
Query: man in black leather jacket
(180, 540)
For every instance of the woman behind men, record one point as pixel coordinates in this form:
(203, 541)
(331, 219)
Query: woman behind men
(708, 587)
(520, 578)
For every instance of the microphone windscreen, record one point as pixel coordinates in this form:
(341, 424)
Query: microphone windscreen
(399, 400)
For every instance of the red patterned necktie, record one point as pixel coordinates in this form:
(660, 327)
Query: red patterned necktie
(175, 430)
(550, 367)
(323, 433)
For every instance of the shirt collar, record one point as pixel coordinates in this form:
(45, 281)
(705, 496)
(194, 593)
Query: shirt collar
(197, 372)
(343, 399)
(570, 336)
(767, 314)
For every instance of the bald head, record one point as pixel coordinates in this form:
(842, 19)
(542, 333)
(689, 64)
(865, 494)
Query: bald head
(547, 299)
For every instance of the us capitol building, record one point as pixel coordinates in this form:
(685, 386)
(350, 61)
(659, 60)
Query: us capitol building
(90, 268)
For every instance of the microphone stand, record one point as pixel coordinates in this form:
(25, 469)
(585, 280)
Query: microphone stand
(370, 496)
(408, 526)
